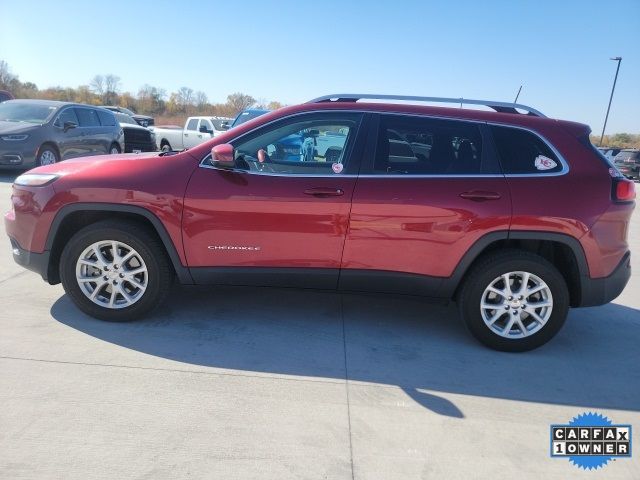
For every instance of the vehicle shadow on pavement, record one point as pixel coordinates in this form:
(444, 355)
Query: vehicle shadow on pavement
(399, 341)
(9, 176)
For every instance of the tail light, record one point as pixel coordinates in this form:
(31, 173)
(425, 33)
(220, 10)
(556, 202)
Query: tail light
(623, 190)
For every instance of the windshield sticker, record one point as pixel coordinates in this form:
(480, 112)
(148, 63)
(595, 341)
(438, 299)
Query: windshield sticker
(545, 163)
(337, 167)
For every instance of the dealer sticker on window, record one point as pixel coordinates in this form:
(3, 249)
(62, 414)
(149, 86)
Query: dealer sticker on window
(590, 441)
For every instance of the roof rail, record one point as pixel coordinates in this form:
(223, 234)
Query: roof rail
(503, 107)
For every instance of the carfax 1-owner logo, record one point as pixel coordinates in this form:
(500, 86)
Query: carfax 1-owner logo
(590, 441)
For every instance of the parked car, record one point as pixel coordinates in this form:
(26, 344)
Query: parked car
(4, 96)
(628, 162)
(196, 131)
(136, 137)
(516, 217)
(248, 114)
(143, 120)
(608, 152)
(40, 132)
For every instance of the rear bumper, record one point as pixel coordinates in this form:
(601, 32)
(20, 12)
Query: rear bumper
(36, 262)
(598, 291)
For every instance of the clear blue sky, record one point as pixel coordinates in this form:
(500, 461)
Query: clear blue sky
(292, 51)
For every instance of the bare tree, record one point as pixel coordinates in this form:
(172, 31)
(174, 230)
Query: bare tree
(111, 87)
(185, 97)
(201, 100)
(274, 105)
(97, 85)
(239, 101)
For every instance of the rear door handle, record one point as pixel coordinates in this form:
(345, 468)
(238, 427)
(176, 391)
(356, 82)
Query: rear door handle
(324, 192)
(480, 195)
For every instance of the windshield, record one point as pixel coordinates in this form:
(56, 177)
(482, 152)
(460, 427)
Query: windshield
(246, 116)
(25, 112)
(122, 118)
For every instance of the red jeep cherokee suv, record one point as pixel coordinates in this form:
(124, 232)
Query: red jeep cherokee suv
(513, 215)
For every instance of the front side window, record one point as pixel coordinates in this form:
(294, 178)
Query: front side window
(107, 119)
(523, 152)
(87, 117)
(193, 124)
(67, 115)
(205, 123)
(318, 145)
(424, 146)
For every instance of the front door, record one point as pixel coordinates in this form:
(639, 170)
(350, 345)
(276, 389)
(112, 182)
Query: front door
(280, 217)
(428, 190)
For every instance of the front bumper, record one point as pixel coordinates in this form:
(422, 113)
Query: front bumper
(17, 158)
(36, 262)
(143, 147)
(598, 291)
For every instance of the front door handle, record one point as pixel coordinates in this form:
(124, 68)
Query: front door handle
(480, 195)
(324, 192)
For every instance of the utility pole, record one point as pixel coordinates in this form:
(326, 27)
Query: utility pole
(619, 60)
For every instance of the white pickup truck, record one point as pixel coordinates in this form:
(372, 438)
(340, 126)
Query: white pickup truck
(196, 131)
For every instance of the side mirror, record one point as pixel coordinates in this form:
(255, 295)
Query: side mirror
(69, 125)
(222, 156)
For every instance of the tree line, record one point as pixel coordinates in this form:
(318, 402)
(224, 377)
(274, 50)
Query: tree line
(175, 106)
(105, 89)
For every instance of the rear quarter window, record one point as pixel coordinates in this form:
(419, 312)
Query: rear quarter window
(523, 152)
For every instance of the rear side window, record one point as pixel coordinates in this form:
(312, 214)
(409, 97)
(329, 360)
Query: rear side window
(67, 115)
(107, 119)
(88, 117)
(523, 152)
(193, 124)
(422, 146)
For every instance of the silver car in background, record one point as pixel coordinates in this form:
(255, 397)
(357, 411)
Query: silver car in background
(41, 132)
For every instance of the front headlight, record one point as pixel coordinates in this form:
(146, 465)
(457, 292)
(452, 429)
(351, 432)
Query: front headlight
(35, 179)
(15, 138)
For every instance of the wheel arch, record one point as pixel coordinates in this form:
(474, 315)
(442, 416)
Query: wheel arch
(73, 217)
(53, 145)
(563, 251)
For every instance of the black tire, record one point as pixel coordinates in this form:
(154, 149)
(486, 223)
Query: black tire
(165, 146)
(45, 153)
(489, 268)
(159, 271)
(116, 147)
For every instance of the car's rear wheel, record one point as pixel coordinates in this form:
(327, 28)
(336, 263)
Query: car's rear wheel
(114, 149)
(165, 147)
(47, 155)
(514, 301)
(115, 271)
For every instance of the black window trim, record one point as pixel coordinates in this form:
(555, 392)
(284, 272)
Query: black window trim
(369, 121)
(488, 152)
(565, 165)
(355, 152)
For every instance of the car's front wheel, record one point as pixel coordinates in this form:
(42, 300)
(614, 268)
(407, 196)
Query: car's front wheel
(115, 271)
(514, 301)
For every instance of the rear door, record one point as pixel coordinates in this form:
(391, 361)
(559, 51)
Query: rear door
(279, 217)
(428, 190)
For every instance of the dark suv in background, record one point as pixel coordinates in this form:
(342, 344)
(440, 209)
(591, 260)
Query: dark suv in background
(136, 138)
(628, 162)
(142, 120)
(42, 132)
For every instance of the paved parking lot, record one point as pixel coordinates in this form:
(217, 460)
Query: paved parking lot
(284, 384)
